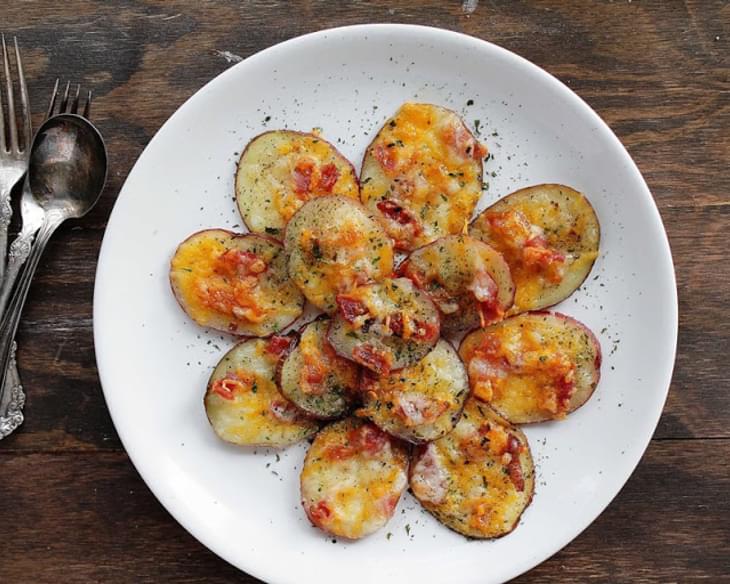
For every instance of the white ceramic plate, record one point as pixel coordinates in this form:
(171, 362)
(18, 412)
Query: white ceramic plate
(154, 363)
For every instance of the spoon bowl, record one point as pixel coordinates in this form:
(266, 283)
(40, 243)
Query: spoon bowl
(68, 165)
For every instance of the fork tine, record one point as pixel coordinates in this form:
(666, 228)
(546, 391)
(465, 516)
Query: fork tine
(75, 102)
(64, 99)
(24, 99)
(52, 103)
(87, 107)
(13, 129)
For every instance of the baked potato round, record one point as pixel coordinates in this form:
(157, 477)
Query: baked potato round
(479, 478)
(549, 235)
(281, 170)
(533, 367)
(468, 280)
(352, 478)
(242, 401)
(385, 326)
(314, 378)
(334, 244)
(419, 403)
(235, 283)
(422, 174)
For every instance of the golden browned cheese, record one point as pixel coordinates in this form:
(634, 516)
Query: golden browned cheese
(243, 403)
(479, 478)
(422, 174)
(279, 171)
(352, 479)
(235, 283)
(549, 235)
(334, 245)
(533, 367)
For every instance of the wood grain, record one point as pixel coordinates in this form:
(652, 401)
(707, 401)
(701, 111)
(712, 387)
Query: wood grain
(658, 72)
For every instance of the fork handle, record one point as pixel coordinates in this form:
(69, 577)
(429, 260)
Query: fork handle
(11, 318)
(6, 212)
(18, 254)
(12, 399)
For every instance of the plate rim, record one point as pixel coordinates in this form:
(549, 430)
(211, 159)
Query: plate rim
(153, 481)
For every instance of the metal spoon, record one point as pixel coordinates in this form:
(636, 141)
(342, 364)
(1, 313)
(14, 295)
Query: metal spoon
(66, 174)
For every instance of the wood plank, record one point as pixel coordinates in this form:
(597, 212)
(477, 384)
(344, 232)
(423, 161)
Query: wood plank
(89, 518)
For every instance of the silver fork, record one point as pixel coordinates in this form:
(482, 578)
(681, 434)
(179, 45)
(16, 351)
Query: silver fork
(32, 215)
(13, 165)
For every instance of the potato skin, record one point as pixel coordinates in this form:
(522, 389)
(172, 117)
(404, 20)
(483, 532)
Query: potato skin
(455, 269)
(280, 170)
(549, 235)
(352, 478)
(371, 338)
(336, 378)
(419, 403)
(547, 354)
(243, 404)
(422, 174)
(212, 270)
(334, 244)
(479, 478)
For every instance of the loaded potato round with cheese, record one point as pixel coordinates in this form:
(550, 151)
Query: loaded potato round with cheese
(243, 403)
(352, 478)
(334, 245)
(549, 235)
(479, 478)
(235, 283)
(422, 174)
(533, 367)
(281, 170)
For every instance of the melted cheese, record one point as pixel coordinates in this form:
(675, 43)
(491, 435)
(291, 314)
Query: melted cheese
(549, 235)
(477, 497)
(253, 298)
(530, 366)
(335, 245)
(280, 171)
(257, 414)
(424, 159)
(355, 493)
(420, 402)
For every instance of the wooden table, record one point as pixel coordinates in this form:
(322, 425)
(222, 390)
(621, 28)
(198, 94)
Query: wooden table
(73, 508)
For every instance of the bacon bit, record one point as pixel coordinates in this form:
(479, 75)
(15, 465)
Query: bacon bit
(396, 324)
(372, 358)
(387, 504)
(303, 176)
(385, 156)
(398, 213)
(536, 253)
(283, 410)
(425, 331)
(319, 512)
(514, 468)
(239, 264)
(226, 388)
(278, 344)
(311, 378)
(480, 151)
(565, 387)
(415, 409)
(328, 177)
(350, 308)
(407, 270)
(366, 439)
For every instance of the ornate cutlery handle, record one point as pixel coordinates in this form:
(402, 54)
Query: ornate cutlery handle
(12, 399)
(6, 212)
(11, 318)
(18, 254)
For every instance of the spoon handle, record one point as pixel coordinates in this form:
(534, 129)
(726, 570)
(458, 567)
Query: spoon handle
(11, 318)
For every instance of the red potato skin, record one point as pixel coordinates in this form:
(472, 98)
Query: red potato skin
(299, 133)
(399, 271)
(349, 357)
(236, 236)
(370, 146)
(598, 223)
(594, 340)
